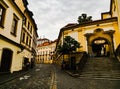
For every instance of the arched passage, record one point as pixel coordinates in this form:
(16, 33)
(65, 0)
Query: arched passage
(100, 47)
(100, 43)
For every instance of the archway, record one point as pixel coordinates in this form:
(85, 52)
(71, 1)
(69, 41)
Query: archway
(100, 43)
(6, 60)
(101, 47)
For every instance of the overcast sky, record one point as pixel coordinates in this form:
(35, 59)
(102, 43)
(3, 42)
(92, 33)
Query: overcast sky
(51, 15)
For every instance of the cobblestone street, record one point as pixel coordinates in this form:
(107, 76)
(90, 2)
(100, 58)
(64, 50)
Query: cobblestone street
(46, 76)
(38, 78)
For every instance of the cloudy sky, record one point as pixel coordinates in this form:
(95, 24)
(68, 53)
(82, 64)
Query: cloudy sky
(52, 15)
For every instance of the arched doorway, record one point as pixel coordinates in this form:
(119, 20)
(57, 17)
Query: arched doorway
(100, 47)
(6, 60)
(100, 43)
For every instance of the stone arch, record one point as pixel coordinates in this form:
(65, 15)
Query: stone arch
(101, 47)
(100, 35)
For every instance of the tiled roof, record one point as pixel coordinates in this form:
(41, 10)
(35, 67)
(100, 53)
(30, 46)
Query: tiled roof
(41, 39)
(47, 43)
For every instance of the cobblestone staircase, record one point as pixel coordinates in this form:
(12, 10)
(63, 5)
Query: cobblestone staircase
(102, 68)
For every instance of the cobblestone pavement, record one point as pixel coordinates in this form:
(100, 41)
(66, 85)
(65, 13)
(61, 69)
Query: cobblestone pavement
(51, 77)
(39, 78)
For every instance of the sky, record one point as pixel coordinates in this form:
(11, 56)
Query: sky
(51, 15)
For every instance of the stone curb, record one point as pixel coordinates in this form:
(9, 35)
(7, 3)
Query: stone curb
(71, 74)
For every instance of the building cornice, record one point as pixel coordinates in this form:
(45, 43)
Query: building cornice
(96, 22)
(25, 2)
(30, 14)
(10, 41)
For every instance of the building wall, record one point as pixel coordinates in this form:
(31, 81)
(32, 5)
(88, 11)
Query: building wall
(45, 53)
(8, 23)
(20, 4)
(16, 64)
(11, 11)
(105, 15)
(116, 12)
(19, 50)
(81, 31)
(29, 30)
(110, 24)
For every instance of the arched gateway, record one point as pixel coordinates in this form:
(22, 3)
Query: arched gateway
(100, 43)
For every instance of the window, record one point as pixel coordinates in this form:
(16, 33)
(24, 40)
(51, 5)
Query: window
(14, 25)
(27, 40)
(24, 21)
(28, 25)
(2, 15)
(23, 37)
(31, 29)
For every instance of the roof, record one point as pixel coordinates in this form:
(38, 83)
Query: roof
(47, 43)
(70, 24)
(43, 44)
(95, 22)
(42, 39)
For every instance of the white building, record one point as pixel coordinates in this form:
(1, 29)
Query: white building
(45, 52)
(11, 26)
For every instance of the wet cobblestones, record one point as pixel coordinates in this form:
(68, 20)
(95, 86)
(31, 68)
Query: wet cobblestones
(51, 77)
(40, 78)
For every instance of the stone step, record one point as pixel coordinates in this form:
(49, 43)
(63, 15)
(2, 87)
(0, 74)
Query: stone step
(101, 68)
(100, 72)
(101, 75)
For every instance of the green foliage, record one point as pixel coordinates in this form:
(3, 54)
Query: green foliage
(69, 45)
(84, 18)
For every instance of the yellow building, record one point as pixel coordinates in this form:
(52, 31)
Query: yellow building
(45, 51)
(12, 51)
(28, 34)
(97, 38)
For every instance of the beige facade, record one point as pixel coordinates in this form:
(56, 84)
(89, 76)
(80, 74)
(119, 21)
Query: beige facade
(12, 49)
(45, 52)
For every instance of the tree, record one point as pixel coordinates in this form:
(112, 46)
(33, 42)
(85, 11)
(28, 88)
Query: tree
(84, 18)
(69, 45)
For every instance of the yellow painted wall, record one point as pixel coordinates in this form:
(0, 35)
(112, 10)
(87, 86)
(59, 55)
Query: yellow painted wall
(20, 4)
(6, 32)
(82, 39)
(116, 12)
(8, 23)
(90, 29)
(106, 15)
(47, 58)
(116, 35)
(17, 58)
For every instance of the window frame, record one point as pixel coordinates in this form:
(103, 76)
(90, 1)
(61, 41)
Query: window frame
(2, 16)
(23, 37)
(14, 25)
